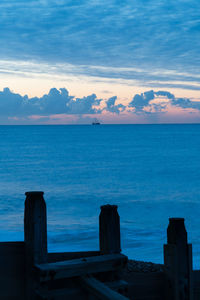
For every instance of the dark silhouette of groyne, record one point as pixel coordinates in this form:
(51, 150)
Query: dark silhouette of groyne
(28, 271)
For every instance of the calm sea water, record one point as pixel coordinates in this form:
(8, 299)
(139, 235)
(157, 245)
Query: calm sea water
(152, 172)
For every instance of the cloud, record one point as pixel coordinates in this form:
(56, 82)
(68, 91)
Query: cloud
(154, 78)
(143, 103)
(86, 105)
(163, 35)
(186, 103)
(58, 105)
(111, 107)
(11, 104)
(55, 102)
(164, 93)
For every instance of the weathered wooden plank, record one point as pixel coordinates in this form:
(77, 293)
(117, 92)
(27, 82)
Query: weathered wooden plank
(100, 290)
(73, 292)
(196, 284)
(12, 270)
(109, 230)
(35, 237)
(178, 262)
(35, 227)
(82, 266)
(171, 270)
(190, 272)
(118, 285)
(59, 256)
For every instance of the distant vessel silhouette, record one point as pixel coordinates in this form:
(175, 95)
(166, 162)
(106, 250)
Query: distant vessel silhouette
(96, 122)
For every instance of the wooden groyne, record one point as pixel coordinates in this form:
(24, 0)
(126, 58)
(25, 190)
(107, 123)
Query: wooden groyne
(28, 271)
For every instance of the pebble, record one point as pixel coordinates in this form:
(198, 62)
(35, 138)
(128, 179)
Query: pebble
(144, 267)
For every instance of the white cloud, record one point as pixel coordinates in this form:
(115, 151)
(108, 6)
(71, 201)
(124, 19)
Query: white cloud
(59, 103)
(151, 35)
(144, 102)
(55, 102)
(154, 78)
(112, 107)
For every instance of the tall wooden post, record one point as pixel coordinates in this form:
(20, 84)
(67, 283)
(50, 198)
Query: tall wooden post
(35, 237)
(178, 262)
(109, 230)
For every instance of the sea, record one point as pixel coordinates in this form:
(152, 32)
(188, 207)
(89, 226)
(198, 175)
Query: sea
(152, 172)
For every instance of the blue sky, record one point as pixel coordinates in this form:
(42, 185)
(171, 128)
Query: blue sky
(107, 48)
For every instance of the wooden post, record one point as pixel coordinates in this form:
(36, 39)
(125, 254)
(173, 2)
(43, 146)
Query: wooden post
(35, 237)
(178, 262)
(109, 230)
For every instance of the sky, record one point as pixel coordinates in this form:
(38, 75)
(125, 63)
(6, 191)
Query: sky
(68, 62)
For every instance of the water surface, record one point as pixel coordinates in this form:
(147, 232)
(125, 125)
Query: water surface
(152, 172)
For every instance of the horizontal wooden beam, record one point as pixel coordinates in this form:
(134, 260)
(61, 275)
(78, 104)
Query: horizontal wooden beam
(80, 288)
(79, 267)
(59, 256)
(99, 289)
(65, 293)
(117, 285)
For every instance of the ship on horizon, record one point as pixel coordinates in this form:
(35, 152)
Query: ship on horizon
(96, 122)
